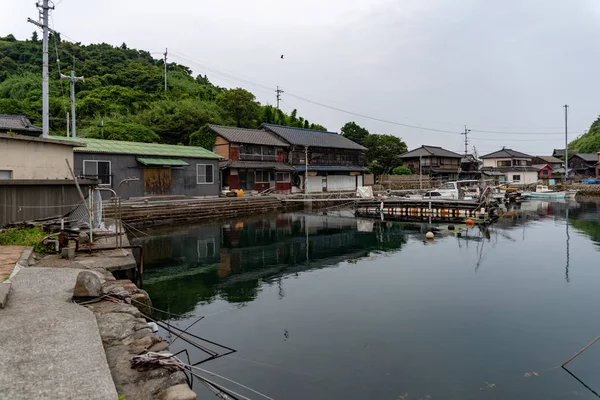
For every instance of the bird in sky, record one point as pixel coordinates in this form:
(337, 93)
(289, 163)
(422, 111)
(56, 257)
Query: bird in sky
(282, 56)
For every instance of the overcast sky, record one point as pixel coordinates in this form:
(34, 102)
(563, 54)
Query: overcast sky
(502, 66)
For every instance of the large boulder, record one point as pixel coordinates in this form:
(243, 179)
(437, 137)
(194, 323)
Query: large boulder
(88, 284)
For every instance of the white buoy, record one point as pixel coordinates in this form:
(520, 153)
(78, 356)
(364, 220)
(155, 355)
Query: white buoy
(429, 235)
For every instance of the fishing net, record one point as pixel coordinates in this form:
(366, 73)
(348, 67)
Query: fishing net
(79, 217)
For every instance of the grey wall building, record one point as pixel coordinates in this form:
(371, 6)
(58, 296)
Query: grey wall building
(161, 169)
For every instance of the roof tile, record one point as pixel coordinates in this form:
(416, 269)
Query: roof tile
(312, 138)
(252, 136)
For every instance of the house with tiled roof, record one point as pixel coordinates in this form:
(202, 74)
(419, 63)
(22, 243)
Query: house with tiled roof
(435, 161)
(583, 164)
(18, 124)
(252, 159)
(512, 166)
(322, 161)
(162, 169)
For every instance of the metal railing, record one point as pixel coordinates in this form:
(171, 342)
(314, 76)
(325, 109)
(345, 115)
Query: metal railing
(257, 157)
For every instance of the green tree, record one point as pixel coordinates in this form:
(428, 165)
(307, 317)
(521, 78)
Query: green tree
(124, 85)
(203, 137)
(175, 121)
(401, 170)
(354, 132)
(119, 130)
(318, 127)
(384, 152)
(589, 142)
(241, 105)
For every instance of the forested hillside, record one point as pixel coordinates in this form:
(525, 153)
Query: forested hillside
(589, 142)
(123, 96)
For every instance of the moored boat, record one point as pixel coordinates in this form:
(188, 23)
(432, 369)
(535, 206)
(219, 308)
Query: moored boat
(542, 192)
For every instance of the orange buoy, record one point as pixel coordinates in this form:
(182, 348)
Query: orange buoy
(469, 221)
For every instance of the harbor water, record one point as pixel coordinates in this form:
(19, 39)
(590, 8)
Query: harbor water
(327, 306)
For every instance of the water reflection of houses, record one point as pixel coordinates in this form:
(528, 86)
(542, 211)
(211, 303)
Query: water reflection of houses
(301, 240)
(231, 260)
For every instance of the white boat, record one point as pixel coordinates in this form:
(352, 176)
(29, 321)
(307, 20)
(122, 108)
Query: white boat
(456, 190)
(571, 194)
(542, 192)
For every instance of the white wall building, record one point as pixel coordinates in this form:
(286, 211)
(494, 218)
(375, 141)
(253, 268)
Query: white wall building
(511, 166)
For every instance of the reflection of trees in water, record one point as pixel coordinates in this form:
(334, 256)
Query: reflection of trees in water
(263, 251)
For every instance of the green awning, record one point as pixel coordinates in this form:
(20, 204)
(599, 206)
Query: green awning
(171, 162)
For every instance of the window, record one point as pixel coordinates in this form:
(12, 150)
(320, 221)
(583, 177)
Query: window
(502, 178)
(5, 174)
(283, 177)
(447, 186)
(425, 161)
(262, 176)
(545, 172)
(95, 169)
(205, 248)
(520, 162)
(503, 163)
(516, 178)
(204, 174)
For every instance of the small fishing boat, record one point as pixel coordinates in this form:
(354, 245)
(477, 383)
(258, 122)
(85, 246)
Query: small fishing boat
(542, 192)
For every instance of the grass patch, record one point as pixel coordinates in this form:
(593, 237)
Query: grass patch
(24, 237)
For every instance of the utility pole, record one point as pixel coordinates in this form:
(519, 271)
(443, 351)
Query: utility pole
(68, 125)
(466, 133)
(165, 54)
(566, 106)
(72, 79)
(279, 92)
(44, 8)
(306, 170)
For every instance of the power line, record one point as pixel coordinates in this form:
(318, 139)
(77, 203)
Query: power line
(369, 117)
(518, 133)
(249, 81)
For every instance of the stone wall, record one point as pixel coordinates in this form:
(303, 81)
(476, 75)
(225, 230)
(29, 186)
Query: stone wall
(125, 333)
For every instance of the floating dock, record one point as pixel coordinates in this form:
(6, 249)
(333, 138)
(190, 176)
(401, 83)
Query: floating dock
(427, 210)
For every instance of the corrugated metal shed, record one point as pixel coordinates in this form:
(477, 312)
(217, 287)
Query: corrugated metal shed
(251, 136)
(312, 138)
(139, 149)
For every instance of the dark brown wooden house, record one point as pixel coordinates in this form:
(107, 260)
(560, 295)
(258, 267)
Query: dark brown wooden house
(331, 161)
(435, 161)
(583, 164)
(252, 160)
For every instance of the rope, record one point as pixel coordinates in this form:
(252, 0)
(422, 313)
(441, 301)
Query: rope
(231, 381)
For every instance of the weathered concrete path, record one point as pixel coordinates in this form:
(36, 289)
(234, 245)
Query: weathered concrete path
(50, 348)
